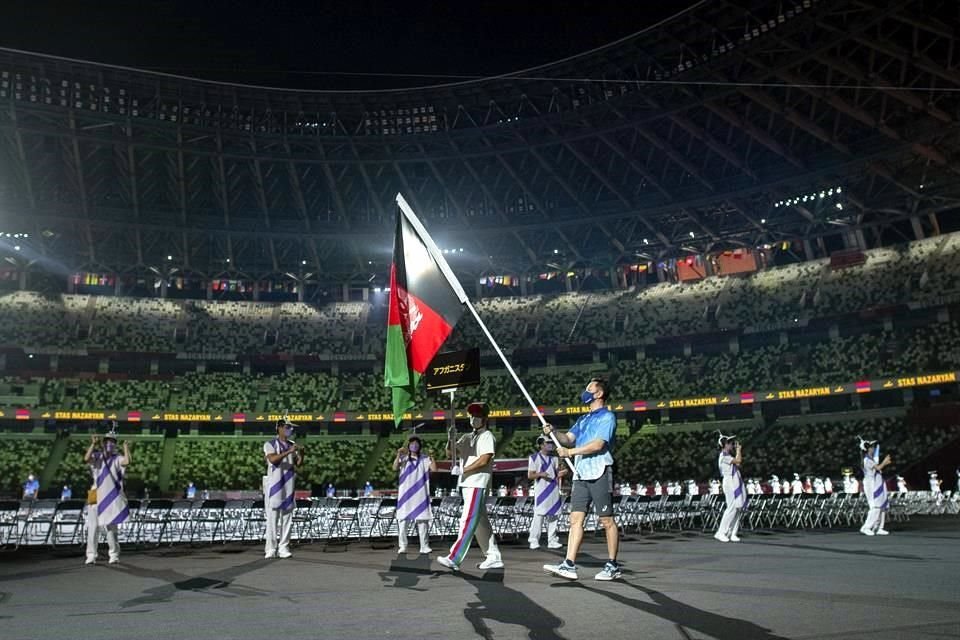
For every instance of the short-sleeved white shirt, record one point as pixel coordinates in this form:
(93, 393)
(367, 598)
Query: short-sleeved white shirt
(471, 446)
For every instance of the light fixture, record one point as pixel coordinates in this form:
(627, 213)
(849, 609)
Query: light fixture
(763, 221)
(228, 260)
(303, 262)
(840, 206)
(16, 247)
(169, 257)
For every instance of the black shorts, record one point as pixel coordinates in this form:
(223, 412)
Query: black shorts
(599, 492)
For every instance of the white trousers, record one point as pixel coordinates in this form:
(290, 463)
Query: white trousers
(93, 536)
(536, 528)
(285, 520)
(423, 530)
(730, 522)
(875, 519)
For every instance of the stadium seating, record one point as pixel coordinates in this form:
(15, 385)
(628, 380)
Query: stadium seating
(18, 458)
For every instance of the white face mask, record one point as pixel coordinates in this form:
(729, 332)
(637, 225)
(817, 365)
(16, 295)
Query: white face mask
(476, 422)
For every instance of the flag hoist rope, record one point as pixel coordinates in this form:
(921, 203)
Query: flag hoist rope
(462, 296)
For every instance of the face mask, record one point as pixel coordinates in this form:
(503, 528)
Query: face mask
(586, 397)
(549, 447)
(414, 447)
(288, 431)
(109, 446)
(476, 422)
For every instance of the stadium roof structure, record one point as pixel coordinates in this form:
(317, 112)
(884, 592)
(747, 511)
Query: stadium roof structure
(707, 131)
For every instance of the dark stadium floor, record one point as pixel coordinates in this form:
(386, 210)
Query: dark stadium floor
(783, 585)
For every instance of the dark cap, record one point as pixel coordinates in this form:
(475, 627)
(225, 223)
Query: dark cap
(478, 409)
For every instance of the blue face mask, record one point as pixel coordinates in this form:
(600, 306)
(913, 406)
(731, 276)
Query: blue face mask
(586, 397)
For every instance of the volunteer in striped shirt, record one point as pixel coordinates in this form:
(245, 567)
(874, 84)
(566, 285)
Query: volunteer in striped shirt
(545, 472)
(475, 451)
(283, 457)
(413, 495)
(106, 502)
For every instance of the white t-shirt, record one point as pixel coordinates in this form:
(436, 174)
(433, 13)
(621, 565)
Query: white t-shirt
(471, 446)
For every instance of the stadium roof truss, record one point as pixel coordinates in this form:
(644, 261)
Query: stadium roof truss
(705, 131)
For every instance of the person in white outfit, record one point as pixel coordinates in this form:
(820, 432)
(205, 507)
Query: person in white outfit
(796, 487)
(901, 484)
(731, 457)
(774, 485)
(874, 487)
(475, 452)
(692, 488)
(106, 502)
(818, 487)
(283, 457)
(544, 470)
(828, 485)
(714, 487)
(413, 501)
(850, 484)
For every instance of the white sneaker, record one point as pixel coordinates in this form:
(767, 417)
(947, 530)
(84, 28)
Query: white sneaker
(554, 545)
(882, 532)
(867, 532)
(493, 562)
(534, 545)
(562, 570)
(113, 561)
(270, 555)
(609, 572)
(401, 550)
(284, 553)
(448, 563)
(90, 561)
(734, 538)
(426, 550)
(722, 538)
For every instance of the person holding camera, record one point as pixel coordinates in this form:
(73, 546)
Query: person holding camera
(874, 488)
(413, 501)
(106, 502)
(734, 492)
(283, 457)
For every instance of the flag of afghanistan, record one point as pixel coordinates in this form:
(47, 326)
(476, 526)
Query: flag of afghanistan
(423, 311)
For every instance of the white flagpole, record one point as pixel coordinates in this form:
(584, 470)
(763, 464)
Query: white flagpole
(462, 296)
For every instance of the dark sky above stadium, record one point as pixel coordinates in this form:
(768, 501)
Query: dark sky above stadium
(301, 44)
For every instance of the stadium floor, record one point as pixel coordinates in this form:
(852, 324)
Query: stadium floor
(824, 584)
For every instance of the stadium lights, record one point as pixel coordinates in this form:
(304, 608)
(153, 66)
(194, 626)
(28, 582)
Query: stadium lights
(693, 235)
(645, 241)
(228, 260)
(169, 257)
(556, 251)
(763, 221)
(303, 262)
(16, 247)
(840, 206)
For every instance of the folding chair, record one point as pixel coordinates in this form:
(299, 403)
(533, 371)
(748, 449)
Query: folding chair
(345, 519)
(9, 525)
(178, 521)
(68, 523)
(365, 511)
(38, 521)
(383, 518)
(254, 523)
(207, 521)
(447, 516)
(301, 519)
(234, 512)
(151, 521)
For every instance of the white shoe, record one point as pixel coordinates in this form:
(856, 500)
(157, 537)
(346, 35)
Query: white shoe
(867, 532)
(113, 561)
(722, 538)
(734, 538)
(426, 550)
(284, 553)
(493, 562)
(570, 573)
(882, 532)
(270, 555)
(90, 561)
(401, 551)
(448, 563)
(534, 545)
(554, 545)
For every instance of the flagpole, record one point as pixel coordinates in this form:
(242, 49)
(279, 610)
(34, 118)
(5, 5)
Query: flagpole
(462, 296)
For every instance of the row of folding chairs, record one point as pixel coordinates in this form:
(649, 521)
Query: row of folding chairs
(167, 522)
